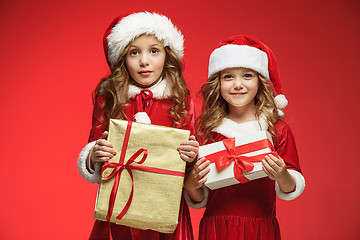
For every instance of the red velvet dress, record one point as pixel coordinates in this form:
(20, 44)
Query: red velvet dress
(248, 211)
(158, 113)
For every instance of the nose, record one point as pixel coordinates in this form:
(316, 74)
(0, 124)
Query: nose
(144, 60)
(238, 84)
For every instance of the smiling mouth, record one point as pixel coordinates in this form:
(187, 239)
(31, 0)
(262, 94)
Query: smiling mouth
(237, 94)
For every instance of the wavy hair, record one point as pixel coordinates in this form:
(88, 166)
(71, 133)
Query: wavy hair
(114, 90)
(215, 108)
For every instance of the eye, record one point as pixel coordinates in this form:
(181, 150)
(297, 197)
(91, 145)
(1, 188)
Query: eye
(248, 75)
(227, 76)
(133, 52)
(154, 51)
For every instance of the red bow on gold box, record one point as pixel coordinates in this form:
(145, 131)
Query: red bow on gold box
(141, 186)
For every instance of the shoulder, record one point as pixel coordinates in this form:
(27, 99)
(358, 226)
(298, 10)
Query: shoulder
(282, 127)
(217, 136)
(284, 135)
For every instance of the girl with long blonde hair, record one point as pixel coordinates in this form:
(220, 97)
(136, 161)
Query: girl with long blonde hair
(239, 99)
(144, 51)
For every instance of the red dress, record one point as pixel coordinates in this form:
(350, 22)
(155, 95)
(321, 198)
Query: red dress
(158, 113)
(248, 211)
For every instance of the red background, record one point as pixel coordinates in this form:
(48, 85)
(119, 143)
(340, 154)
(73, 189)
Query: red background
(52, 58)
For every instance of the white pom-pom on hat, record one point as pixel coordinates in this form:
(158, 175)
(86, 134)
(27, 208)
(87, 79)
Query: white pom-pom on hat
(281, 114)
(281, 101)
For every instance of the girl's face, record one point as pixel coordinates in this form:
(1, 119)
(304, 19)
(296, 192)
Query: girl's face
(239, 87)
(145, 60)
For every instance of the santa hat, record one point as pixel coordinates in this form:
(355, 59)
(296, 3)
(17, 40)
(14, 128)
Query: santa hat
(248, 52)
(124, 29)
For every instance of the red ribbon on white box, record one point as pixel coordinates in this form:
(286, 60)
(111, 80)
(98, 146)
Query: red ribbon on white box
(234, 153)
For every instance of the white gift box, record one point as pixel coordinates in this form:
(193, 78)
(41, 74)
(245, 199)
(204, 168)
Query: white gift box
(226, 177)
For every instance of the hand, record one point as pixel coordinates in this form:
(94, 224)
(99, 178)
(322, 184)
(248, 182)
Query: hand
(103, 150)
(188, 150)
(195, 178)
(276, 170)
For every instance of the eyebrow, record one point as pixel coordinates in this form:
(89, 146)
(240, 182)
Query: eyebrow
(153, 45)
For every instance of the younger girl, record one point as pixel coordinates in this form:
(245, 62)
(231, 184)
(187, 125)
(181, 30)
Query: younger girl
(238, 100)
(144, 52)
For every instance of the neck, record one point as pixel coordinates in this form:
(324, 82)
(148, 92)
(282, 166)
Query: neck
(242, 114)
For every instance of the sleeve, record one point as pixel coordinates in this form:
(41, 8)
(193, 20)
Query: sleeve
(191, 126)
(286, 148)
(197, 205)
(98, 126)
(189, 122)
(193, 116)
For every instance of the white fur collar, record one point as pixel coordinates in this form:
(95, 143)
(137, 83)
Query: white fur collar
(160, 90)
(230, 129)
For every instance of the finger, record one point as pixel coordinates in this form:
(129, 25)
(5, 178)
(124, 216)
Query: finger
(105, 149)
(192, 137)
(204, 165)
(103, 142)
(186, 158)
(188, 148)
(104, 135)
(200, 161)
(204, 172)
(188, 153)
(268, 173)
(193, 143)
(203, 169)
(102, 159)
(266, 165)
(272, 163)
(275, 159)
(100, 154)
(191, 154)
(202, 181)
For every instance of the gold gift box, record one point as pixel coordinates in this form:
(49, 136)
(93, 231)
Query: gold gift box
(156, 200)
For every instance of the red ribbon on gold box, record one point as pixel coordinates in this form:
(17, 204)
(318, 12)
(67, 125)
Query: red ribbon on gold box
(148, 196)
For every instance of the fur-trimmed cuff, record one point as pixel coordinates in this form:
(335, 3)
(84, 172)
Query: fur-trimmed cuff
(82, 161)
(299, 188)
(198, 205)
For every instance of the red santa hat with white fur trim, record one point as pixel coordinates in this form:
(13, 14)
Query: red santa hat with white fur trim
(124, 29)
(248, 52)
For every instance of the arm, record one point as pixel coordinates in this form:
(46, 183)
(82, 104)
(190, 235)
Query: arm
(276, 170)
(91, 172)
(195, 191)
(286, 170)
(188, 150)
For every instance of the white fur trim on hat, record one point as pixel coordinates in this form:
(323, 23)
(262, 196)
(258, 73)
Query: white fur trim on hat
(281, 101)
(142, 117)
(137, 24)
(94, 176)
(231, 56)
(299, 188)
(198, 205)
